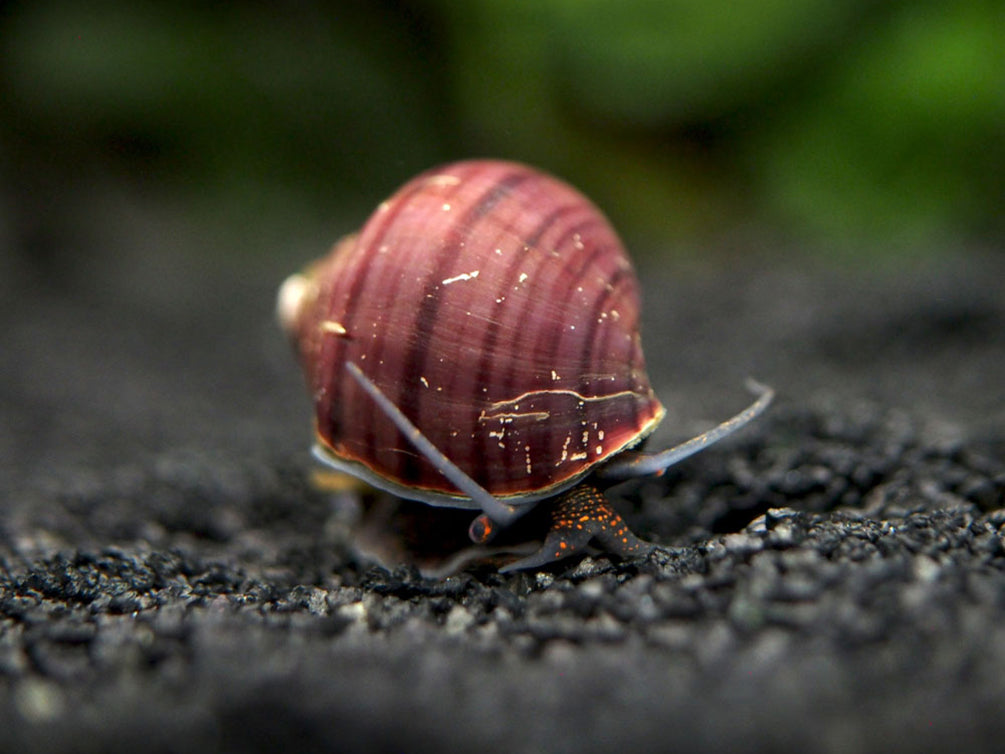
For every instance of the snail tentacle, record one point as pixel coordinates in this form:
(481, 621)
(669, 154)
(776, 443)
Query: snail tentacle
(497, 511)
(632, 464)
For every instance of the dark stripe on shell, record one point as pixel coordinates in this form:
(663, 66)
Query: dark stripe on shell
(590, 345)
(550, 340)
(362, 261)
(538, 323)
(410, 466)
(367, 284)
(537, 320)
(486, 362)
(586, 366)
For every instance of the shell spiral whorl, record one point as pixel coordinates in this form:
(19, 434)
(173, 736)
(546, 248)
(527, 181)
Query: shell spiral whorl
(497, 308)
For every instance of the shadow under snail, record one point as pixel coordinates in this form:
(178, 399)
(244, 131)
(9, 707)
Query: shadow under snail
(476, 345)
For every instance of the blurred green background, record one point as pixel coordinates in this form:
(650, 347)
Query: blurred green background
(805, 125)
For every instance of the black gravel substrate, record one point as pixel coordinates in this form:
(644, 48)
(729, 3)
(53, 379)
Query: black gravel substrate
(833, 579)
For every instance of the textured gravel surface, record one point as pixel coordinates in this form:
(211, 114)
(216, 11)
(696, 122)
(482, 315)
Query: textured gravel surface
(833, 578)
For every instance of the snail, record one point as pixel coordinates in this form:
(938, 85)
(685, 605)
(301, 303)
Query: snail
(476, 345)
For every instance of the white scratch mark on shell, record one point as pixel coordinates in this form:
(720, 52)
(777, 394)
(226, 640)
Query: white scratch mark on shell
(565, 451)
(509, 417)
(503, 410)
(463, 276)
(332, 327)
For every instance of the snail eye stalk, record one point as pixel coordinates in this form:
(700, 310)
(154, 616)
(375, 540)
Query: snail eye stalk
(632, 464)
(499, 512)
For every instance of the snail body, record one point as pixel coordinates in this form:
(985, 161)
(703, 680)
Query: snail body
(477, 345)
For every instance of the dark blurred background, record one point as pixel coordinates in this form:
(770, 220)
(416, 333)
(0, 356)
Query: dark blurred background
(859, 129)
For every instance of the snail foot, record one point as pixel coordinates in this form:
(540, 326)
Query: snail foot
(581, 516)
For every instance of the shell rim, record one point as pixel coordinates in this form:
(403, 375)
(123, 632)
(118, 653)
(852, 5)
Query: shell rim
(326, 456)
(323, 453)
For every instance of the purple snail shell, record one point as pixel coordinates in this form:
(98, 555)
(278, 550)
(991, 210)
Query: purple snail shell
(495, 310)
